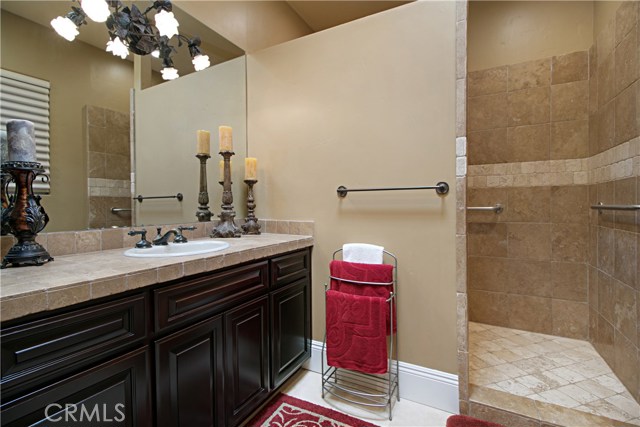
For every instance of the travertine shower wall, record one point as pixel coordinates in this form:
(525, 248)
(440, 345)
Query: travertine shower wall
(614, 167)
(528, 142)
(548, 139)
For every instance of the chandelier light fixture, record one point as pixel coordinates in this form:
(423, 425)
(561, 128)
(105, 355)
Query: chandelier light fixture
(131, 31)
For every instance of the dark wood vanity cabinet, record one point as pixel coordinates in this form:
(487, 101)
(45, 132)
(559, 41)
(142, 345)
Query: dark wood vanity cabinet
(204, 350)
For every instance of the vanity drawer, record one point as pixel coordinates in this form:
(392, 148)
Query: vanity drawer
(194, 299)
(290, 267)
(37, 351)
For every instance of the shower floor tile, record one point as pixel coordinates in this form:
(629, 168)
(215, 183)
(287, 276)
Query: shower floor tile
(562, 371)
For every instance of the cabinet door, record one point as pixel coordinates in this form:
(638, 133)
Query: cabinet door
(290, 330)
(189, 376)
(113, 393)
(247, 355)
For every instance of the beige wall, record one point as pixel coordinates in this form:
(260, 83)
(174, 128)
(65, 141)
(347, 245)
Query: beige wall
(509, 32)
(250, 25)
(603, 13)
(166, 121)
(80, 75)
(370, 103)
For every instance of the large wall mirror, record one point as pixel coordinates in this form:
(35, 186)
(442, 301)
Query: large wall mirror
(93, 145)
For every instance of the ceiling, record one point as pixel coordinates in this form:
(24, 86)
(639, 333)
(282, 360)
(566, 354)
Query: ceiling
(320, 15)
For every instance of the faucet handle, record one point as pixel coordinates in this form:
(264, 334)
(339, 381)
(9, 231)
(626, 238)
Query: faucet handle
(143, 243)
(180, 237)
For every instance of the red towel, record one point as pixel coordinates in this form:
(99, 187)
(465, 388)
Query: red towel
(376, 273)
(356, 336)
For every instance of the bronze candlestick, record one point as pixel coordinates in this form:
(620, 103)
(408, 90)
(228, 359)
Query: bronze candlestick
(203, 213)
(26, 217)
(226, 227)
(251, 225)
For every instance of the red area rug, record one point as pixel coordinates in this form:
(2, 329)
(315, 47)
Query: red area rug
(287, 411)
(465, 421)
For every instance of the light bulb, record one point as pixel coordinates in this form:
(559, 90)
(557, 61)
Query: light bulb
(169, 73)
(118, 48)
(65, 27)
(200, 62)
(97, 10)
(166, 23)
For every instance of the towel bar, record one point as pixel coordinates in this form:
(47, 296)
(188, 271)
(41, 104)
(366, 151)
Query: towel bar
(140, 197)
(441, 188)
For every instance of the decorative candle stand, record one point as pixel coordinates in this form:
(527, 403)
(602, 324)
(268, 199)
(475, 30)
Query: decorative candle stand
(26, 217)
(203, 213)
(226, 227)
(7, 203)
(251, 225)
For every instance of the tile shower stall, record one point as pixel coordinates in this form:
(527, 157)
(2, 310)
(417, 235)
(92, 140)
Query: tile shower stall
(108, 167)
(547, 139)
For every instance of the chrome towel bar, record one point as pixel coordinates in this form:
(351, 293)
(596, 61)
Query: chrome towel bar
(441, 188)
(498, 208)
(604, 207)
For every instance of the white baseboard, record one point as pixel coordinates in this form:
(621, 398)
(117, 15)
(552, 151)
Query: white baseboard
(419, 384)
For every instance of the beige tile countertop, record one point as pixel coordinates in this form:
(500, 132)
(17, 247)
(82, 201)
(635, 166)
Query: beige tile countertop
(72, 279)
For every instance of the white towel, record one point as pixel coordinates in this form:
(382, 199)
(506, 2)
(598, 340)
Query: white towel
(363, 253)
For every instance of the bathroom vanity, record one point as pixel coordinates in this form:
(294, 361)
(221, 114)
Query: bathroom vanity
(204, 349)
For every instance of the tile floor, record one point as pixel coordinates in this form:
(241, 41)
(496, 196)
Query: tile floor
(305, 385)
(563, 371)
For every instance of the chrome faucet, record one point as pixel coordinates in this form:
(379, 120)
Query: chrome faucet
(163, 239)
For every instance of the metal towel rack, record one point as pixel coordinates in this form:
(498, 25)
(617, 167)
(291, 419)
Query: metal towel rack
(601, 206)
(116, 210)
(497, 208)
(140, 197)
(441, 188)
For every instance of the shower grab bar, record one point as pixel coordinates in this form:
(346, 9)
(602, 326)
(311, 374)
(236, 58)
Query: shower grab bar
(498, 208)
(140, 197)
(116, 210)
(604, 207)
(441, 188)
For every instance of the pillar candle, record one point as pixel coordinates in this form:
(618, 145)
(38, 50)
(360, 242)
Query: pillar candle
(22, 141)
(251, 168)
(203, 142)
(226, 138)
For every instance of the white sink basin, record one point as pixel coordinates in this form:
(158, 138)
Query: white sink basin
(178, 249)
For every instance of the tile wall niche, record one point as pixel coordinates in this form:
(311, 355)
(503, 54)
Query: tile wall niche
(109, 166)
(548, 139)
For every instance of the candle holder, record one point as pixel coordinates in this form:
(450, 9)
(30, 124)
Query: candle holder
(226, 227)
(251, 225)
(25, 217)
(7, 203)
(203, 213)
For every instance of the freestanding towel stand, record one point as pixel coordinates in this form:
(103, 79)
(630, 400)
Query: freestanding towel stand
(375, 390)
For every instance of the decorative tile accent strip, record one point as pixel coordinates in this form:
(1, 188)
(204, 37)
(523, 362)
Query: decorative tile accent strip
(109, 187)
(622, 161)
